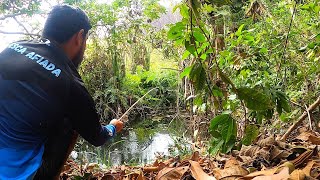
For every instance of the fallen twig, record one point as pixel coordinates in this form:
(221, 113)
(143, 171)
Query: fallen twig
(300, 119)
(309, 117)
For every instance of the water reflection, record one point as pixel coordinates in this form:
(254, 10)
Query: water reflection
(140, 145)
(137, 146)
(133, 151)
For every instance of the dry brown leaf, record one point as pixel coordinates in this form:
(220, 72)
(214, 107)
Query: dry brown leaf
(249, 150)
(150, 169)
(172, 173)
(198, 173)
(314, 139)
(136, 175)
(306, 170)
(261, 173)
(232, 169)
(156, 163)
(282, 145)
(264, 153)
(269, 141)
(304, 136)
(246, 159)
(308, 136)
(91, 166)
(195, 156)
(275, 152)
(284, 155)
(66, 167)
(302, 130)
(282, 175)
(141, 176)
(231, 162)
(297, 175)
(169, 161)
(110, 177)
(236, 171)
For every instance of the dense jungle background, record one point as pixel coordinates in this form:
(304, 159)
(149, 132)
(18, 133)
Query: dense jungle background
(231, 86)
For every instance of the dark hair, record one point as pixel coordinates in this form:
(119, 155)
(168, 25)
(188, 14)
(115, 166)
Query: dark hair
(63, 22)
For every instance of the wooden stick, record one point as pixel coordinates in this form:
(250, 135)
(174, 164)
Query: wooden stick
(151, 169)
(309, 117)
(300, 119)
(136, 103)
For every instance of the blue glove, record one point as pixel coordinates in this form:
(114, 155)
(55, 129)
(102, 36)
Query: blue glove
(110, 130)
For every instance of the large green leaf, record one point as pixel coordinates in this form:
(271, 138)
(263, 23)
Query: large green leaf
(224, 77)
(198, 76)
(199, 36)
(216, 91)
(250, 134)
(190, 47)
(176, 31)
(279, 107)
(195, 4)
(186, 72)
(282, 102)
(227, 146)
(220, 119)
(225, 124)
(216, 146)
(223, 128)
(184, 11)
(185, 55)
(232, 130)
(239, 31)
(255, 99)
(228, 129)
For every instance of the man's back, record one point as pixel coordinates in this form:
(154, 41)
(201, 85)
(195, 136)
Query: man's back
(43, 103)
(34, 87)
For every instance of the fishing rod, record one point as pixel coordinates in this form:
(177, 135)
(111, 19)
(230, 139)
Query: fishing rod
(131, 107)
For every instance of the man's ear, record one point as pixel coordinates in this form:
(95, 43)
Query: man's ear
(80, 37)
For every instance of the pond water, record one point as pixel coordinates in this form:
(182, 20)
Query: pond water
(141, 144)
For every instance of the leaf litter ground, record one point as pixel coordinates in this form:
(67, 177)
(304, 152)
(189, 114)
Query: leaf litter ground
(267, 159)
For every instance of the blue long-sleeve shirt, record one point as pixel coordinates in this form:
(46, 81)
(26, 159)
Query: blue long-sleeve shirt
(39, 87)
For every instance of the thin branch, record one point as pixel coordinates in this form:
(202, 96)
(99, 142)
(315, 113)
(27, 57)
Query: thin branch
(294, 103)
(172, 69)
(284, 80)
(10, 16)
(309, 117)
(20, 24)
(300, 119)
(195, 45)
(22, 33)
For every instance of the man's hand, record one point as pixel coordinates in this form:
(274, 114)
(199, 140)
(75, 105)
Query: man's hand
(118, 124)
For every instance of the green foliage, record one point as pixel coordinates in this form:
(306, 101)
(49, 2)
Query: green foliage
(223, 129)
(254, 98)
(198, 76)
(28, 7)
(251, 133)
(176, 31)
(125, 46)
(153, 9)
(247, 58)
(165, 81)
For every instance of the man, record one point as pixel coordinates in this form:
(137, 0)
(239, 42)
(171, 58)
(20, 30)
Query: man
(43, 100)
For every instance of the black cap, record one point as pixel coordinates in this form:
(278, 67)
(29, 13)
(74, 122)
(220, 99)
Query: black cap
(64, 21)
